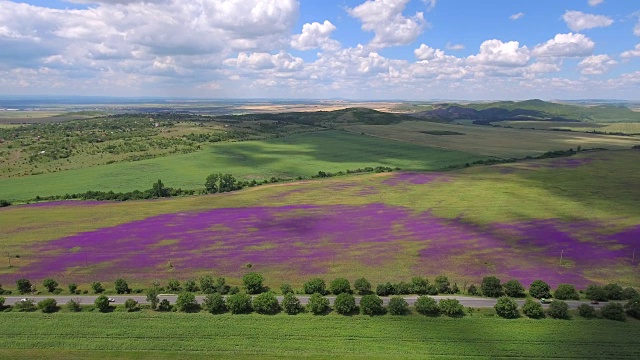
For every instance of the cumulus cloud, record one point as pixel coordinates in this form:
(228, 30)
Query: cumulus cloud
(385, 19)
(455, 47)
(498, 53)
(516, 16)
(425, 52)
(263, 61)
(631, 53)
(578, 21)
(596, 65)
(595, 2)
(315, 35)
(565, 45)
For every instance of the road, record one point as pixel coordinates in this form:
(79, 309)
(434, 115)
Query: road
(475, 302)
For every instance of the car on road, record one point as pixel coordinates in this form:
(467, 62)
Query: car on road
(593, 302)
(111, 299)
(545, 301)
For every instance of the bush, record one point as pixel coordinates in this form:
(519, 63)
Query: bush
(491, 286)
(174, 286)
(532, 309)
(540, 289)
(421, 286)
(122, 287)
(630, 293)
(427, 305)
(221, 286)
(291, 304)
(398, 306)
(48, 306)
(362, 286)
(74, 305)
(25, 305)
(318, 304)
(402, 288)
(613, 311)
(102, 303)
(190, 286)
(371, 305)
(164, 305)
(633, 308)
(23, 285)
(286, 289)
(73, 288)
(473, 290)
(266, 303)
(50, 284)
(207, 284)
(152, 297)
(558, 309)
(186, 302)
(97, 288)
(313, 286)
(131, 305)
(214, 303)
(596, 293)
(384, 289)
(451, 307)
(613, 291)
(339, 286)
(2, 300)
(514, 289)
(586, 311)
(253, 283)
(507, 308)
(442, 285)
(566, 292)
(345, 304)
(239, 303)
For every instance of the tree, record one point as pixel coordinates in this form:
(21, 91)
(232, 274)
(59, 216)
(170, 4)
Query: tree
(318, 304)
(152, 297)
(586, 311)
(451, 307)
(221, 286)
(398, 306)
(566, 292)
(50, 284)
(214, 303)
(2, 300)
(313, 286)
(291, 304)
(74, 305)
(159, 190)
(558, 309)
(186, 302)
(164, 305)
(227, 183)
(190, 286)
(239, 303)
(23, 285)
(421, 286)
(473, 290)
(613, 311)
(73, 287)
(630, 293)
(97, 287)
(507, 308)
(427, 305)
(513, 288)
(385, 289)
(131, 305)
(48, 305)
(345, 303)
(402, 288)
(362, 286)
(207, 284)
(633, 308)
(174, 286)
(102, 303)
(212, 183)
(371, 305)
(286, 289)
(25, 305)
(532, 309)
(614, 291)
(339, 286)
(122, 287)
(443, 285)
(491, 287)
(266, 303)
(540, 289)
(253, 283)
(596, 293)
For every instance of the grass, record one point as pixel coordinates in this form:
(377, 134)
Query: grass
(626, 128)
(175, 335)
(286, 157)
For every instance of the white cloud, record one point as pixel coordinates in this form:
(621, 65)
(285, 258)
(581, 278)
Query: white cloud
(596, 65)
(516, 16)
(565, 45)
(263, 61)
(595, 2)
(578, 21)
(425, 52)
(636, 29)
(430, 4)
(455, 47)
(498, 53)
(631, 53)
(315, 35)
(384, 18)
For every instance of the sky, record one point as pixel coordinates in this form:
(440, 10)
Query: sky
(322, 49)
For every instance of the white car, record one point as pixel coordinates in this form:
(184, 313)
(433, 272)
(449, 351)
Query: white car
(111, 299)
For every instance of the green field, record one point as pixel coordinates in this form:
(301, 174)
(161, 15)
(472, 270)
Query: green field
(286, 157)
(177, 336)
(626, 128)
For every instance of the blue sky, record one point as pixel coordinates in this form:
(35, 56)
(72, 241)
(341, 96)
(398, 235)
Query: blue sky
(354, 49)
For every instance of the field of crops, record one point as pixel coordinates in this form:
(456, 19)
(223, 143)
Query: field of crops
(146, 335)
(626, 128)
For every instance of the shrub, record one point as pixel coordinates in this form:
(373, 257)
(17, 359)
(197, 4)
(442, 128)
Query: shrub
(586, 311)
(384, 289)
(540, 289)
(442, 285)
(266, 303)
(454, 289)
(513, 288)
(371, 305)
(507, 308)
(532, 309)
(362, 286)
(23, 285)
(473, 290)
(73, 288)
(190, 286)
(491, 286)
(234, 290)
(339, 286)
(402, 288)
(164, 305)
(97, 287)
(398, 306)
(102, 303)
(74, 305)
(207, 284)
(633, 308)
(131, 305)
(345, 304)
(427, 305)
(253, 283)
(25, 305)
(122, 287)
(630, 293)
(214, 303)
(286, 289)
(291, 304)
(173, 286)
(566, 292)
(421, 286)
(152, 297)
(50, 284)
(558, 309)
(613, 311)
(186, 302)
(451, 307)
(318, 304)
(239, 303)
(613, 291)
(2, 300)
(313, 286)
(48, 305)
(221, 286)
(596, 293)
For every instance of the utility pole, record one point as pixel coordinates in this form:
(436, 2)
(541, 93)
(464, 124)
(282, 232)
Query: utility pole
(561, 253)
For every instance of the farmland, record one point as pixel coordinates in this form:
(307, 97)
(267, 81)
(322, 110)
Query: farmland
(620, 127)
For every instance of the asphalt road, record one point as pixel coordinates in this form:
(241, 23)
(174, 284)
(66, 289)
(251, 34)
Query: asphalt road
(476, 302)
